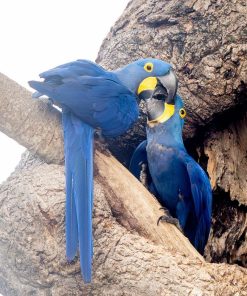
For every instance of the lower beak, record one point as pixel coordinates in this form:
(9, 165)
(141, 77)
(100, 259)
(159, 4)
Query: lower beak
(159, 94)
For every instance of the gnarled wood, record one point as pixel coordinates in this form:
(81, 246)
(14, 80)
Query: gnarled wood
(32, 230)
(135, 208)
(141, 210)
(205, 40)
(32, 123)
(32, 245)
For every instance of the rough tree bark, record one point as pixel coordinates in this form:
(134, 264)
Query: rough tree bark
(132, 255)
(206, 41)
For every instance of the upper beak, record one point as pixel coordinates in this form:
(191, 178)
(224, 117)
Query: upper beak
(148, 85)
(170, 82)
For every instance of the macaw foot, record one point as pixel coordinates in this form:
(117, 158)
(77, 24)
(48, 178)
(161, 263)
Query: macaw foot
(99, 136)
(169, 219)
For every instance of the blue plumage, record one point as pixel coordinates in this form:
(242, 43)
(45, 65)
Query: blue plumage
(91, 97)
(100, 101)
(138, 158)
(139, 167)
(182, 185)
(78, 144)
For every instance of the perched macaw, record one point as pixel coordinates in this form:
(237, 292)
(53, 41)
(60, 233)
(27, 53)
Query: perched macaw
(182, 185)
(90, 98)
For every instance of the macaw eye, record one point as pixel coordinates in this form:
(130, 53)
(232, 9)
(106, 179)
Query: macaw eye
(149, 67)
(182, 112)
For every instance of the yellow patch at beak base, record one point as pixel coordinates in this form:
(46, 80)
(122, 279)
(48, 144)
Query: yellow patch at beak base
(168, 112)
(148, 83)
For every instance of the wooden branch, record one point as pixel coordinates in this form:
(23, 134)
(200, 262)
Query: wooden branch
(32, 123)
(32, 240)
(206, 44)
(32, 243)
(36, 126)
(135, 208)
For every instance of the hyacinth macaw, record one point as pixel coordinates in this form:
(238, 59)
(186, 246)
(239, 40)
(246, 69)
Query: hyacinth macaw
(182, 185)
(90, 98)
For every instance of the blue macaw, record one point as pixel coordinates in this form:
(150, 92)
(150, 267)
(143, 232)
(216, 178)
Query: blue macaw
(90, 98)
(182, 185)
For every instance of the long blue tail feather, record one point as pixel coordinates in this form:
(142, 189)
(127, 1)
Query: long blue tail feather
(71, 219)
(78, 140)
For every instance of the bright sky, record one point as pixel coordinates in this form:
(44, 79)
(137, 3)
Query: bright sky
(37, 35)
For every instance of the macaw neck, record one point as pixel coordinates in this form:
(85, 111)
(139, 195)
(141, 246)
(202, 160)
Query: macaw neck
(168, 134)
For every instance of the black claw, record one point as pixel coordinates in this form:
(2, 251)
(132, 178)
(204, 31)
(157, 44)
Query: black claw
(163, 217)
(158, 221)
(165, 211)
(99, 136)
(169, 219)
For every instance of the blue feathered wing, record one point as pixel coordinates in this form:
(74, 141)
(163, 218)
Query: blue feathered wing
(202, 199)
(138, 159)
(99, 100)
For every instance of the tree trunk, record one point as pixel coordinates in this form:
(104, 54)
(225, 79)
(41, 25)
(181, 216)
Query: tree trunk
(32, 241)
(132, 256)
(206, 43)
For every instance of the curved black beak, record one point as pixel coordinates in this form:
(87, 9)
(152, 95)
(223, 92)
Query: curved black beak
(149, 87)
(159, 94)
(170, 83)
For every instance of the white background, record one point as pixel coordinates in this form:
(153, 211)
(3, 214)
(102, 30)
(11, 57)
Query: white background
(36, 35)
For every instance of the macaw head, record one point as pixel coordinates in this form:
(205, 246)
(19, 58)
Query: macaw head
(142, 76)
(159, 92)
(163, 111)
(165, 121)
(153, 81)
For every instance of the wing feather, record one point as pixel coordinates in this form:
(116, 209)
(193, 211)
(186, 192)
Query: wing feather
(100, 101)
(202, 198)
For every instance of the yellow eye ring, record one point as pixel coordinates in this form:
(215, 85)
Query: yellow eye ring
(148, 67)
(182, 112)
